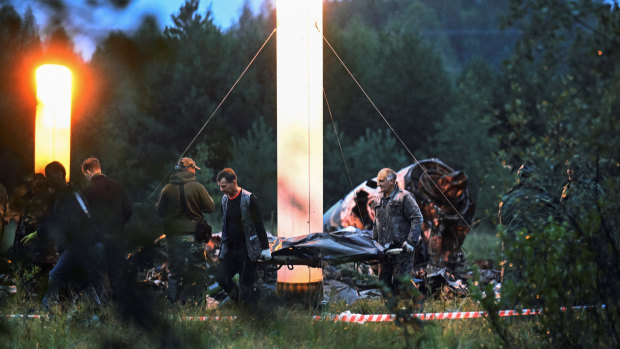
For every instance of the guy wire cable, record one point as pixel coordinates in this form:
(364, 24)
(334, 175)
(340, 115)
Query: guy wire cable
(390, 126)
(359, 210)
(215, 111)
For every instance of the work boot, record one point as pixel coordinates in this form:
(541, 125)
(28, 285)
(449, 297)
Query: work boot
(233, 298)
(93, 294)
(47, 303)
(51, 294)
(173, 290)
(227, 302)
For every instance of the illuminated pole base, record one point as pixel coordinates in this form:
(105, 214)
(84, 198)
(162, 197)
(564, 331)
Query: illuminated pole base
(310, 293)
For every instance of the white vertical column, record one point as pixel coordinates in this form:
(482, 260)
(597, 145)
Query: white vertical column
(300, 125)
(53, 118)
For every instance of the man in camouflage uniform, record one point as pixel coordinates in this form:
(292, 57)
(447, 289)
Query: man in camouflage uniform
(398, 223)
(526, 207)
(29, 206)
(181, 205)
(580, 193)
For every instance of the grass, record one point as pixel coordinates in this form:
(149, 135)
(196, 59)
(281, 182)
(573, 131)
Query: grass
(481, 244)
(272, 325)
(85, 326)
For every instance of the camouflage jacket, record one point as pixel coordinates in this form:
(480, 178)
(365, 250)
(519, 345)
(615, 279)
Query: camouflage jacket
(580, 197)
(526, 206)
(397, 218)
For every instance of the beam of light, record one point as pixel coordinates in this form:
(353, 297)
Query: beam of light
(53, 119)
(300, 126)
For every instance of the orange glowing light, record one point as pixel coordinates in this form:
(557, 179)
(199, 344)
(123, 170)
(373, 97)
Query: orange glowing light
(53, 120)
(300, 126)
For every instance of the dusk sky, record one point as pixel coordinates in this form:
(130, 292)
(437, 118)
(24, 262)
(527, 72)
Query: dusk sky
(88, 24)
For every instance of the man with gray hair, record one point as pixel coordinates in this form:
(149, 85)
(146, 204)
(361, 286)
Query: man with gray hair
(398, 223)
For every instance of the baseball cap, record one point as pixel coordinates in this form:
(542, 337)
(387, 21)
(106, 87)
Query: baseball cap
(187, 162)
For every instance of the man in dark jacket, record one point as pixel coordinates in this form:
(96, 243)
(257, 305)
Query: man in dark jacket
(111, 210)
(181, 204)
(244, 239)
(398, 223)
(70, 223)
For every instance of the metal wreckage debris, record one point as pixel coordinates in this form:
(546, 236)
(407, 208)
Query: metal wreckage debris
(443, 198)
(347, 253)
(448, 210)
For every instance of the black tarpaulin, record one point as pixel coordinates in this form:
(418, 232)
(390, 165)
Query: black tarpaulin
(337, 247)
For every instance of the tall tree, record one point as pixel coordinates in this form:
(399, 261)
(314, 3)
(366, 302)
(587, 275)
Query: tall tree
(562, 81)
(130, 137)
(255, 95)
(19, 47)
(562, 100)
(465, 142)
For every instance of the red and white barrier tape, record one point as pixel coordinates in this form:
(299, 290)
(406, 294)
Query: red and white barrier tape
(363, 318)
(208, 318)
(28, 316)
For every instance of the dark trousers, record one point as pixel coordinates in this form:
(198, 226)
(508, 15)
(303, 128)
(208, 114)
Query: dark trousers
(76, 266)
(237, 261)
(112, 267)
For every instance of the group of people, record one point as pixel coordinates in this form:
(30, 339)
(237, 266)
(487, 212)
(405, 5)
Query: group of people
(528, 206)
(182, 203)
(77, 235)
(82, 232)
(77, 238)
(398, 223)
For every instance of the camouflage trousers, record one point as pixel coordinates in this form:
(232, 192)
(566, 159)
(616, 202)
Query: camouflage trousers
(187, 267)
(394, 268)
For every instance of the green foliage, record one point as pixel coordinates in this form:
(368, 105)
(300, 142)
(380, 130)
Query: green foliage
(410, 98)
(561, 89)
(254, 162)
(561, 257)
(465, 142)
(482, 244)
(562, 267)
(133, 145)
(19, 41)
(458, 30)
(364, 157)
(337, 179)
(203, 156)
(562, 84)
(469, 29)
(255, 96)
